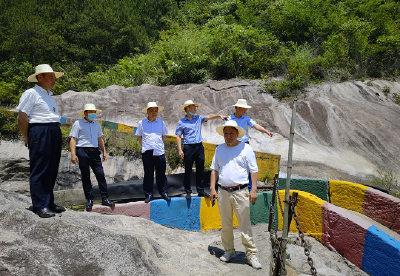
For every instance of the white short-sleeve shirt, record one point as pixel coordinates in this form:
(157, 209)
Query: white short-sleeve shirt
(39, 106)
(152, 133)
(233, 164)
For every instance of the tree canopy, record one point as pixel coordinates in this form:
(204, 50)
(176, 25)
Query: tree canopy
(129, 42)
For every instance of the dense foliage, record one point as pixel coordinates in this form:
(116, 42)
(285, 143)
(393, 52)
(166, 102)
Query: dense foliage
(130, 42)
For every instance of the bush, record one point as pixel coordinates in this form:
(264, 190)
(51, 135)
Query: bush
(385, 180)
(8, 126)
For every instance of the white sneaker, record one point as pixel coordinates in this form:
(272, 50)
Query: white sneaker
(254, 262)
(227, 256)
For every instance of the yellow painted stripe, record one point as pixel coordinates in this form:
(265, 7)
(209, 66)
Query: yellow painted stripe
(125, 128)
(209, 216)
(309, 212)
(347, 195)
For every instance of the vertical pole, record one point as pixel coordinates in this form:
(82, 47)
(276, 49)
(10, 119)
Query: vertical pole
(285, 229)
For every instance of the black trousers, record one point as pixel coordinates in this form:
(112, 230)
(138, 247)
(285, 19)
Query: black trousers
(89, 158)
(44, 144)
(151, 163)
(194, 153)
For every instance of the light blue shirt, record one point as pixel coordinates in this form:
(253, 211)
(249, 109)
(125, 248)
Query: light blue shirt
(86, 133)
(244, 122)
(190, 129)
(152, 133)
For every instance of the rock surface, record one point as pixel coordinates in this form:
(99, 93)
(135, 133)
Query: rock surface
(343, 130)
(85, 243)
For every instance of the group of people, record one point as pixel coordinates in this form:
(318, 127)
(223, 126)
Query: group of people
(234, 166)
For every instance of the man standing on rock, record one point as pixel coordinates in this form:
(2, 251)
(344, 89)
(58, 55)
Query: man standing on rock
(86, 138)
(231, 164)
(245, 121)
(193, 151)
(39, 123)
(151, 134)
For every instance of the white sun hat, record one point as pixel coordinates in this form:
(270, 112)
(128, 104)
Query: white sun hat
(242, 103)
(43, 68)
(88, 107)
(187, 103)
(152, 104)
(231, 123)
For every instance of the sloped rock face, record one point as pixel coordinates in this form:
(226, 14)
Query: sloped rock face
(343, 130)
(85, 243)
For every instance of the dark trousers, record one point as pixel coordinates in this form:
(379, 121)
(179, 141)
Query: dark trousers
(194, 153)
(151, 163)
(89, 158)
(44, 144)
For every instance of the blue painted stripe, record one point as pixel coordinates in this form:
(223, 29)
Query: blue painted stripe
(179, 212)
(381, 253)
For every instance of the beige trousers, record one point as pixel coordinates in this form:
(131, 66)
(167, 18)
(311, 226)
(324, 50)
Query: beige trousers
(237, 201)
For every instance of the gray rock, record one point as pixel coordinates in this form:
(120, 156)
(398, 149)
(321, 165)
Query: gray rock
(343, 130)
(85, 243)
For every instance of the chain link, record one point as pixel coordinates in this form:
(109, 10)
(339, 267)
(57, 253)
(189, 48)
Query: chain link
(293, 203)
(275, 241)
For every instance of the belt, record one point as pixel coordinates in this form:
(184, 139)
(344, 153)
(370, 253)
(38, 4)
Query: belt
(44, 124)
(88, 148)
(195, 145)
(233, 188)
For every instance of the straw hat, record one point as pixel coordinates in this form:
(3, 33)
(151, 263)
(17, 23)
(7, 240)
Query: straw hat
(231, 123)
(88, 107)
(242, 103)
(152, 104)
(187, 103)
(43, 68)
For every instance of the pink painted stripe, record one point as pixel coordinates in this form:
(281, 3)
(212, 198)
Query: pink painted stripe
(382, 208)
(132, 209)
(344, 232)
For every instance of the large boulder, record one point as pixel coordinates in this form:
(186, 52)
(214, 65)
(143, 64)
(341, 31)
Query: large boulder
(343, 130)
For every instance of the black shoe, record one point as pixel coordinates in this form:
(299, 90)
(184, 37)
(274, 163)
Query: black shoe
(203, 194)
(89, 205)
(188, 196)
(166, 197)
(148, 198)
(45, 213)
(57, 209)
(107, 202)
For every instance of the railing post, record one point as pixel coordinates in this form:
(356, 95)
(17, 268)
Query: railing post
(285, 229)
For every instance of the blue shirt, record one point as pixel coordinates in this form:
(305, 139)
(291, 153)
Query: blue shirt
(152, 133)
(86, 133)
(244, 122)
(190, 129)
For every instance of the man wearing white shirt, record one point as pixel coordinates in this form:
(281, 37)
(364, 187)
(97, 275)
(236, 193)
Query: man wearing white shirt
(86, 139)
(231, 164)
(245, 121)
(39, 123)
(151, 134)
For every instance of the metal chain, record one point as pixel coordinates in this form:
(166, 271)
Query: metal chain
(279, 201)
(293, 203)
(275, 241)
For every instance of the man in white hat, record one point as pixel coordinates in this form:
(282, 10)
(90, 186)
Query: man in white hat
(245, 121)
(231, 164)
(190, 128)
(86, 139)
(151, 134)
(39, 123)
